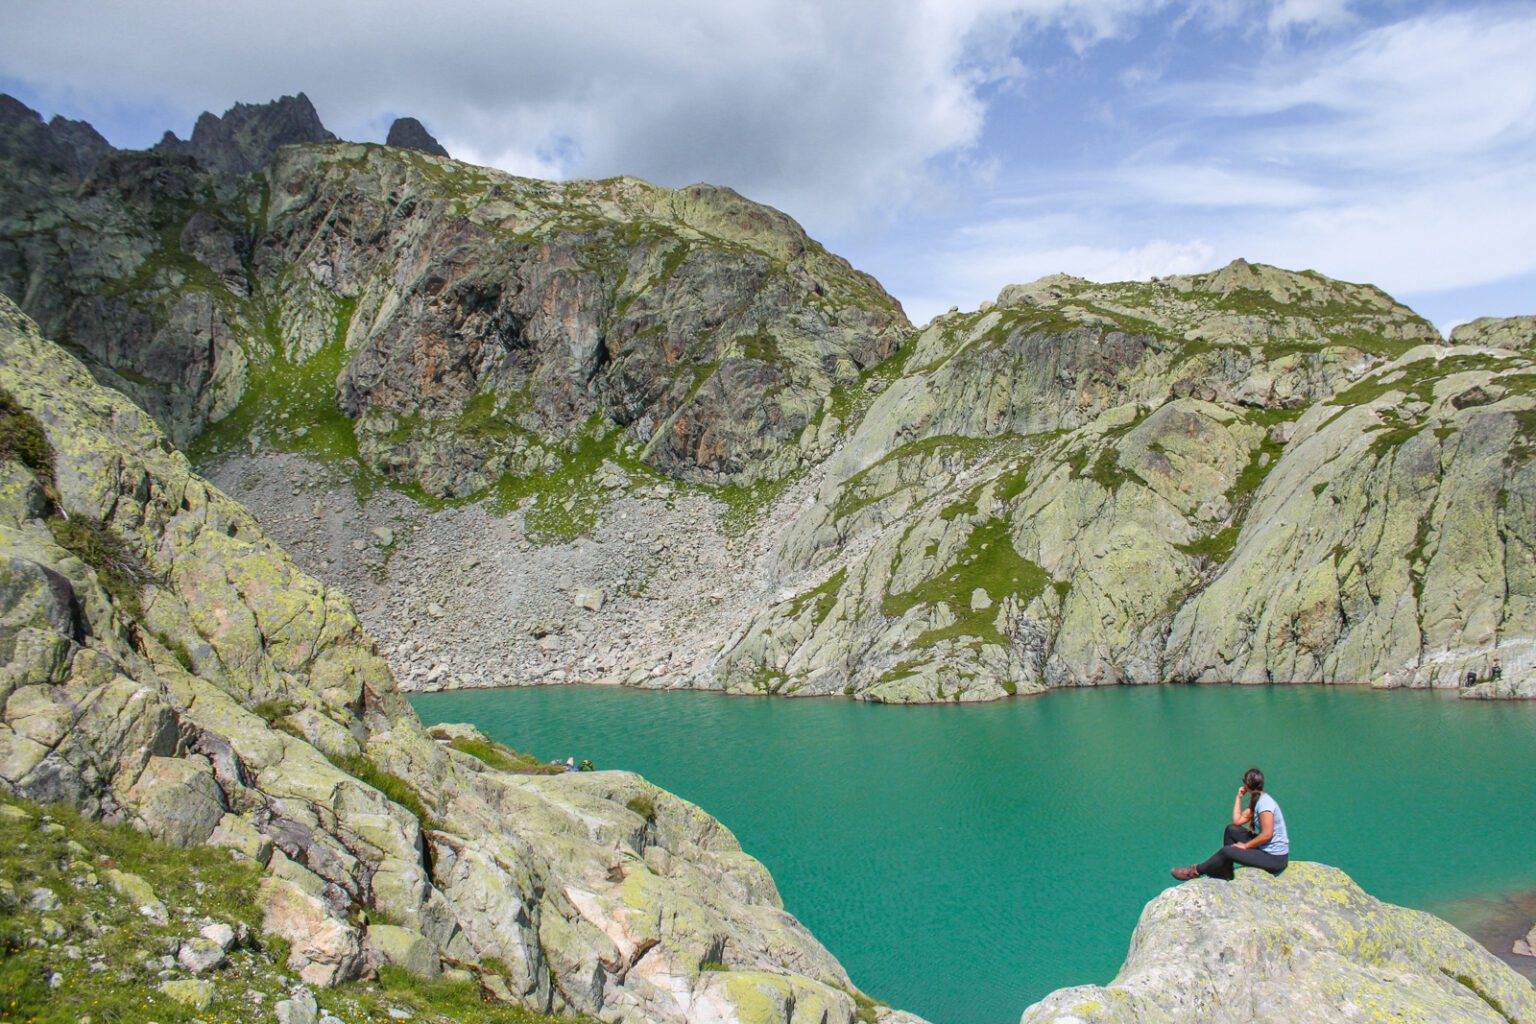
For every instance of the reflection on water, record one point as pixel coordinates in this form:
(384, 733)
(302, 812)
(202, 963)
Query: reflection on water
(1496, 922)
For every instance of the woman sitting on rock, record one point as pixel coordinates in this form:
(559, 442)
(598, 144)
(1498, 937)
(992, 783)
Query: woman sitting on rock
(1269, 847)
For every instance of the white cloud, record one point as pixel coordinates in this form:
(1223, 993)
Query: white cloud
(1410, 95)
(1308, 14)
(1399, 155)
(1207, 185)
(828, 109)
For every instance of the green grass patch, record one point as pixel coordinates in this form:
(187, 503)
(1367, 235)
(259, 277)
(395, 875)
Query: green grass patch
(121, 570)
(503, 758)
(291, 405)
(435, 1001)
(36, 853)
(746, 503)
(567, 501)
(987, 562)
(361, 767)
(822, 598)
(55, 848)
(868, 1010)
(643, 805)
(761, 346)
(1216, 548)
(23, 440)
(1417, 379)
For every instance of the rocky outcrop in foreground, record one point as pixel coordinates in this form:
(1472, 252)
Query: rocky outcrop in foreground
(1309, 947)
(163, 664)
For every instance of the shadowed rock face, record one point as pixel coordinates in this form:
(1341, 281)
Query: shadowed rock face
(1308, 947)
(248, 134)
(165, 664)
(409, 133)
(59, 147)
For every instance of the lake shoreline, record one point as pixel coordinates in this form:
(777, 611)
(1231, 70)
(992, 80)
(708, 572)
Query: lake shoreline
(904, 839)
(1451, 692)
(1495, 921)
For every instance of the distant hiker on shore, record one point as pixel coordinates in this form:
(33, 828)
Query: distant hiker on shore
(1256, 837)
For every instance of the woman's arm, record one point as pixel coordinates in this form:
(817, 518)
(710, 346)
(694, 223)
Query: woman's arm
(1241, 815)
(1266, 831)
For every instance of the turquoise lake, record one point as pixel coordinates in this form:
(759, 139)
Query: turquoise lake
(964, 861)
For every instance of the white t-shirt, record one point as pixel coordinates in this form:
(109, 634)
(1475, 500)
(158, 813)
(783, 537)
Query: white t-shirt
(1280, 842)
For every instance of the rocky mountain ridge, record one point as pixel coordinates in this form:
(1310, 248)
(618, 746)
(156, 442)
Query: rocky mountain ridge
(691, 448)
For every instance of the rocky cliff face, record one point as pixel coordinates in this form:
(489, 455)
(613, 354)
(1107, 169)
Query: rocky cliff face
(1306, 947)
(451, 326)
(1251, 475)
(249, 134)
(166, 665)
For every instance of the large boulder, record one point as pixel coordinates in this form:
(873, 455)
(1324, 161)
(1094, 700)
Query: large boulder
(1308, 947)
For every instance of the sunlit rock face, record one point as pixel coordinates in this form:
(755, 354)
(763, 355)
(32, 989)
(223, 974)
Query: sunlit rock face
(1308, 946)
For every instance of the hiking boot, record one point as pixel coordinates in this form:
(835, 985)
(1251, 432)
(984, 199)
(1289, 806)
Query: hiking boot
(1185, 874)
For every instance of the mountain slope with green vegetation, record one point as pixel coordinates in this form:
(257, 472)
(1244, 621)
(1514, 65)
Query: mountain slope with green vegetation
(164, 665)
(1250, 474)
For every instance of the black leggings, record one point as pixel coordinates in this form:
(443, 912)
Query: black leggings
(1223, 862)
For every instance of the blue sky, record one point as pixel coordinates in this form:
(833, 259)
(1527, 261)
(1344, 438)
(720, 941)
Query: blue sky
(949, 148)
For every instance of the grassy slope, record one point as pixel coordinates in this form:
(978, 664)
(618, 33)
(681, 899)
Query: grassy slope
(109, 960)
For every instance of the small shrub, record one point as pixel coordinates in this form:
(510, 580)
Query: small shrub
(22, 440)
(178, 650)
(867, 1009)
(275, 708)
(120, 570)
(643, 805)
(392, 786)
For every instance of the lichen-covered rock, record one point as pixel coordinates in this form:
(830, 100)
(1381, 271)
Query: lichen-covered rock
(1308, 947)
(172, 668)
(1249, 475)
(1517, 332)
(194, 992)
(409, 950)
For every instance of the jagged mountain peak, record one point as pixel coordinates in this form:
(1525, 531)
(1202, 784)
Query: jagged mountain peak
(246, 136)
(409, 133)
(58, 145)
